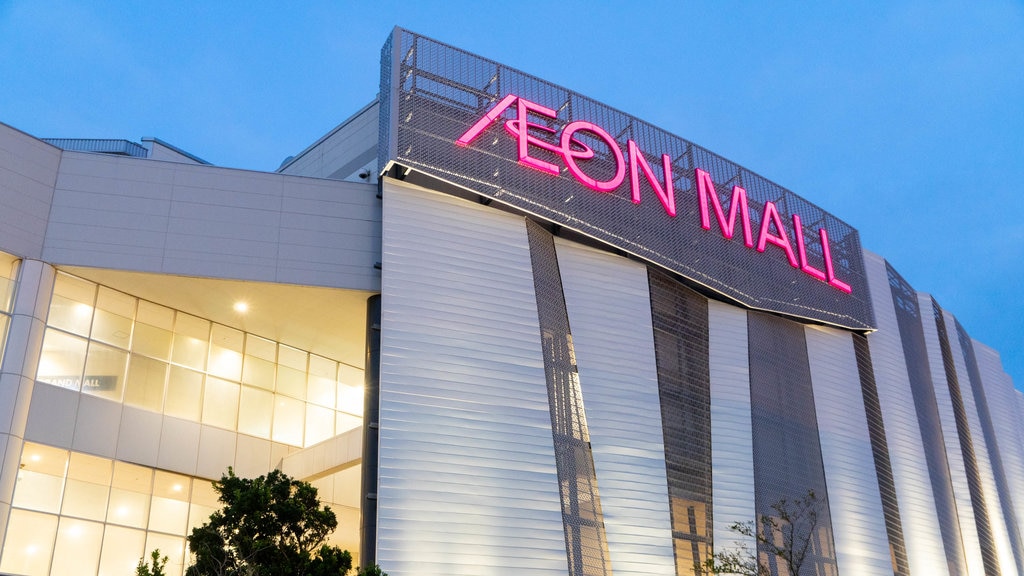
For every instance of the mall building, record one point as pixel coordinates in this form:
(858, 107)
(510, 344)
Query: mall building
(504, 329)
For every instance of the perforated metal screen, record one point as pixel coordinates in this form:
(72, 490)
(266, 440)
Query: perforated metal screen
(432, 94)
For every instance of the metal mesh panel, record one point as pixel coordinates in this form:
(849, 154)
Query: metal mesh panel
(680, 318)
(436, 92)
(385, 113)
(585, 541)
(988, 430)
(787, 450)
(880, 452)
(981, 519)
(908, 317)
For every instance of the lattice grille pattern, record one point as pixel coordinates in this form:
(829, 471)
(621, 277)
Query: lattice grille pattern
(432, 93)
(680, 318)
(963, 429)
(880, 452)
(909, 318)
(787, 451)
(585, 541)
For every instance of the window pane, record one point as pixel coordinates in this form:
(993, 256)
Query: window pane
(350, 375)
(71, 307)
(168, 515)
(85, 500)
(220, 403)
(87, 487)
(291, 357)
(151, 341)
(184, 394)
(128, 508)
(319, 424)
(155, 315)
(78, 547)
(112, 322)
(291, 382)
(323, 374)
(226, 352)
(8, 272)
(104, 371)
(191, 341)
(132, 477)
(258, 372)
(36, 491)
(44, 459)
(122, 548)
(345, 422)
(288, 416)
(62, 360)
(171, 546)
(29, 543)
(171, 485)
(255, 412)
(40, 481)
(145, 387)
(90, 468)
(350, 399)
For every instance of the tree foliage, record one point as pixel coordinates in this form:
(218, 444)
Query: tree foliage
(157, 569)
(787, 535)
(269, 525)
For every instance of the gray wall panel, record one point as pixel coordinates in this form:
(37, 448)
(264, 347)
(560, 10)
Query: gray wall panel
(187, 219)
(467, 481)
(28, 172)
(608, 302)
(853, 499)
(925, 553)
(732, 445)
(343, 151)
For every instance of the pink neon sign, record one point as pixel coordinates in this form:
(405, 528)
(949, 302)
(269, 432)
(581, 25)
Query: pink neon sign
(571, 150)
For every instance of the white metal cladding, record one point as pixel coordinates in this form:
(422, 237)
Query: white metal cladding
(608, 301)
(1001, 397)
(1006, 419)
(925, 553)
(467, 481)
(951, 437)
(854, 503)
(990, 368)
(732, 444)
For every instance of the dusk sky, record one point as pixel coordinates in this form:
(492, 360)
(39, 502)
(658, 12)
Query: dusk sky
(905, 119)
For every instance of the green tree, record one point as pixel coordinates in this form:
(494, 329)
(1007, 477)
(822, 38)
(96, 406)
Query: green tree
(787, 534)
(269, 526)
(157, 569)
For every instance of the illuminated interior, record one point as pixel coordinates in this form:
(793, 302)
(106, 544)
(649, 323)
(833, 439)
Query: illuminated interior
(286, 368)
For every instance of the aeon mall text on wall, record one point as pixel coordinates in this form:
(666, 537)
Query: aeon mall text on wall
(571, 150)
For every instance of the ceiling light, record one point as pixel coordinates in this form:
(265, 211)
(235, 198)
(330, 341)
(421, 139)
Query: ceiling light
(241, 307)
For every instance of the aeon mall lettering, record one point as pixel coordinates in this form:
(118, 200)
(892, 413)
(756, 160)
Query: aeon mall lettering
(571, 150)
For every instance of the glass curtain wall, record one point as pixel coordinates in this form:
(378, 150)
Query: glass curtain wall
(110, 344)
(76, 513)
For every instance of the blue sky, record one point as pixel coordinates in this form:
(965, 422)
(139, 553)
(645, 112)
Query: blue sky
(906, 119)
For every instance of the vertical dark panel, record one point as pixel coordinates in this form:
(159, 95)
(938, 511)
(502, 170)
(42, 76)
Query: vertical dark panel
(908, 317)
(680, 318)
(963, 430)
(371, 433)
(585, 542)
(988, 430)
(880, 452)
(787, 450)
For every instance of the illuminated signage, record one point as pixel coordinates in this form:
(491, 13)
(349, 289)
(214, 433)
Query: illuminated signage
(531, 136)
(457, 123)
